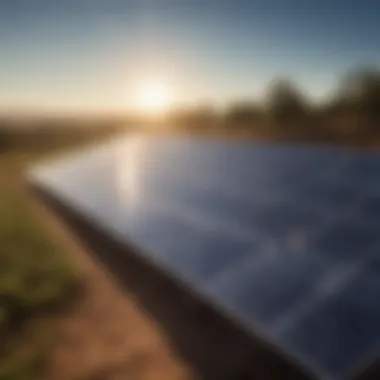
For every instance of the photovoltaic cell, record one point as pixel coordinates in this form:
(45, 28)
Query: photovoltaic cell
(342, 327)
(283, 239)
(280, 282)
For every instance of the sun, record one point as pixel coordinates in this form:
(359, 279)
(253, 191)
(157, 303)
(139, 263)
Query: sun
(154, 98)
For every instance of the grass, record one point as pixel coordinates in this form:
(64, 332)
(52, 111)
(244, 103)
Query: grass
(32, 271)
(25, 353)
(34, 278)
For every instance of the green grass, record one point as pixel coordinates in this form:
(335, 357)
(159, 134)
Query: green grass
(34, 277)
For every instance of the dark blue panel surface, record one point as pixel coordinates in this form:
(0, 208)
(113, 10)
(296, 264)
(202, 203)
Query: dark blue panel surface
(347, 240)
(192, 252)
(339, 329)
(284, 239)
(264, 288)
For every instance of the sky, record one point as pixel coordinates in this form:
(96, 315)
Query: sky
(92, 55)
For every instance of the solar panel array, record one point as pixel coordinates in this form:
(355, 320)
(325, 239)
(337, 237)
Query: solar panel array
(283, 239)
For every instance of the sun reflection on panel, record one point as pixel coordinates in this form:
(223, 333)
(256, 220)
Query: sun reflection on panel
(130, 156)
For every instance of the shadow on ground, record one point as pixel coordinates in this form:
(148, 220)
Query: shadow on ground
(213, 346)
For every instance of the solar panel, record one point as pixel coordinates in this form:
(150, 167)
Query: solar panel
(283, 239)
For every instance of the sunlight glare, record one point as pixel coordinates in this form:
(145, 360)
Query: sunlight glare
(155, 98)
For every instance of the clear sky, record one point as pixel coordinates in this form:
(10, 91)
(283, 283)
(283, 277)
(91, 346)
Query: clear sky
(93, 54)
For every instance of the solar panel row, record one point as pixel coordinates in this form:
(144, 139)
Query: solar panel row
(284, 239)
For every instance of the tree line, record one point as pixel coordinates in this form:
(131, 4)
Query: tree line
(351, 111)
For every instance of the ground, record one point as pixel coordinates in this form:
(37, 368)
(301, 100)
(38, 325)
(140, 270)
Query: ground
(34, 277)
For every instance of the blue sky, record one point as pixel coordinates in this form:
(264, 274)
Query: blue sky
(74, 55)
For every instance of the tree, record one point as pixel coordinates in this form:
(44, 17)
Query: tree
(285, 103)
(360, 91)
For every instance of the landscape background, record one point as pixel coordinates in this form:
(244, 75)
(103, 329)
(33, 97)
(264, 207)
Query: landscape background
(349, 115)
